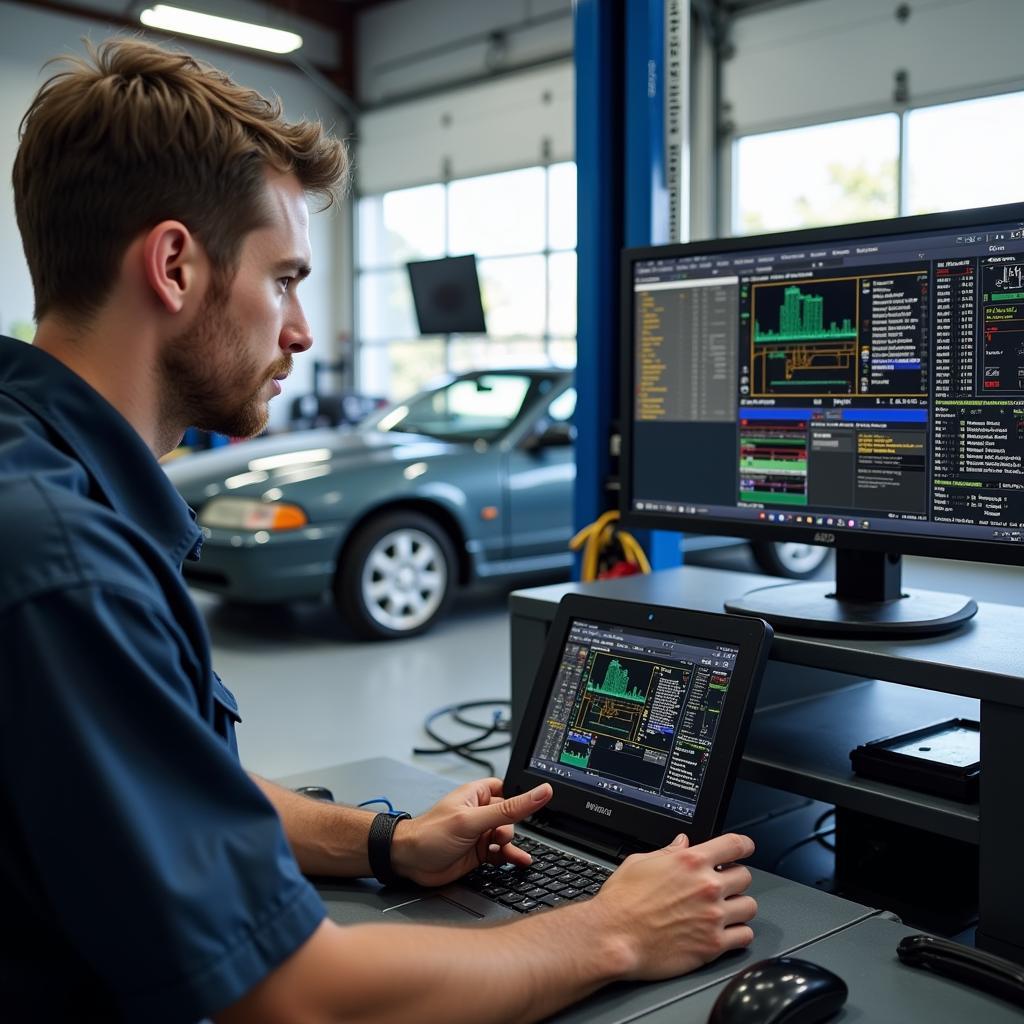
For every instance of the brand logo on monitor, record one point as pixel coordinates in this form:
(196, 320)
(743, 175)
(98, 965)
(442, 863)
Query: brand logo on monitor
(824, 538)
(591, 806)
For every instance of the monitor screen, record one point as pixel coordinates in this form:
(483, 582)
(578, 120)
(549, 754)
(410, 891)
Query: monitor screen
(446, 296)
(851, 385)
(633, 713)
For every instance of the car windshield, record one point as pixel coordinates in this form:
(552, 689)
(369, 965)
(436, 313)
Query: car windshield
(468, 409)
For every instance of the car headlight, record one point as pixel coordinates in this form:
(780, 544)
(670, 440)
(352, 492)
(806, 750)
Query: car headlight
(249, 514)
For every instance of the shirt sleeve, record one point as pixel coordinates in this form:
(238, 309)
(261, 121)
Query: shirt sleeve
(158, 858)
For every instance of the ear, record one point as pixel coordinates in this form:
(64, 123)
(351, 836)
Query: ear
(175, 265)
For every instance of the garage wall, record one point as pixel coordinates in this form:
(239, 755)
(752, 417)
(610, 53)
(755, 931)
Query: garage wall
(516, 121)
(29, 37)
(828, 59)
(408, 47)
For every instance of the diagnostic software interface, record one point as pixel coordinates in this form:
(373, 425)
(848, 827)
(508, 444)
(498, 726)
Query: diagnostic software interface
(633, 714)
(875, 384)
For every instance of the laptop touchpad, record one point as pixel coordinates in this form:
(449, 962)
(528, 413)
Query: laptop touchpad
(431, 908)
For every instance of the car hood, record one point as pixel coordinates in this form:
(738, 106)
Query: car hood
(251, 467)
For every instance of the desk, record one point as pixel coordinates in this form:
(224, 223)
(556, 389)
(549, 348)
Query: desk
(882, 990)
(860, 683)
(790, 915)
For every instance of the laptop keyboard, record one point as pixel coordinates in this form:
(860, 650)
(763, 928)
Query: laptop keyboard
(552, 879)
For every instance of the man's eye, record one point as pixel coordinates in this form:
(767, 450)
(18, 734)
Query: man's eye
(285, 282)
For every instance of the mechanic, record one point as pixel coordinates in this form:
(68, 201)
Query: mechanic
(146, 876)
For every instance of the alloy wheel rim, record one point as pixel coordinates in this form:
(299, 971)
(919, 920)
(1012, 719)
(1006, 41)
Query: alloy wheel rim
(800, 557)
(404, 579)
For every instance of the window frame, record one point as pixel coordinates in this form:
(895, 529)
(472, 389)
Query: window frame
(726, 155)
(547, 338)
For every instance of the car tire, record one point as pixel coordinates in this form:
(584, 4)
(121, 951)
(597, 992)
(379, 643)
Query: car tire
(794, 561)
(396, 577)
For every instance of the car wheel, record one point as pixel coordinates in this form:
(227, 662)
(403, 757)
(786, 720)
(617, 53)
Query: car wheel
(397, 576)
(797, 561)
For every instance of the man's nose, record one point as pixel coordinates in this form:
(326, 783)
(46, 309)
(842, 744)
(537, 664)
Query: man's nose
(296, 336)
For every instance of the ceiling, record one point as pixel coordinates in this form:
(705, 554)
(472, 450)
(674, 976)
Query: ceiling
(337, 16)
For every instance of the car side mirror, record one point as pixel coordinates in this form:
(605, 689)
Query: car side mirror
(558, 434)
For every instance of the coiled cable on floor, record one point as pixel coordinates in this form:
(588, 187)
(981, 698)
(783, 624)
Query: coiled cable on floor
(468, 749)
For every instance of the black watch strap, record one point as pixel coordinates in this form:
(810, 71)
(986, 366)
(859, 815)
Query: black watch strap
(378, 847)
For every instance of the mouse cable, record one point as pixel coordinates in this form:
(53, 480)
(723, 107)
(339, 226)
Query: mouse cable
(379, 800)
(830, 813)
(468, 749)
(796, 846)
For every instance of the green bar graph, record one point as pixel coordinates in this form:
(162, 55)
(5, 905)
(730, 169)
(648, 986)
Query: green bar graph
(802, 318)
(616, 684)
(579, 760)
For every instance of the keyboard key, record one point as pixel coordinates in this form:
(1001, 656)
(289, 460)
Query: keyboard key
(551, 900)
(552, 879)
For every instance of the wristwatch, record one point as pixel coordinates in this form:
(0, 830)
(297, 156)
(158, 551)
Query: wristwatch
(378, 847)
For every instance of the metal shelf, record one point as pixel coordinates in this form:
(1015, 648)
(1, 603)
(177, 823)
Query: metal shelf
(803, 747)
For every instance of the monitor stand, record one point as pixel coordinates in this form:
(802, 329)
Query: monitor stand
(866, 600)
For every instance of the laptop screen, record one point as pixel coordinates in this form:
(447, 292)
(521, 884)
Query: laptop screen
(633, 713)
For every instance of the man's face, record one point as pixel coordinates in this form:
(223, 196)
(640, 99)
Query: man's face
(221, 372)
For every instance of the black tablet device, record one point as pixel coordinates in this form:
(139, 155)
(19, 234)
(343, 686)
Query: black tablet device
(637, 717)
(943, 758)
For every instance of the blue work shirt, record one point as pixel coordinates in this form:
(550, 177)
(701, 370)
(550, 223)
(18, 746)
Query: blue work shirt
(143, 875)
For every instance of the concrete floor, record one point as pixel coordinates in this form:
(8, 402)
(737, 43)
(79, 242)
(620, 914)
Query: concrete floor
(311, 697)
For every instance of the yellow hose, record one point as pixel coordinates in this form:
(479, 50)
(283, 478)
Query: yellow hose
(598, 536)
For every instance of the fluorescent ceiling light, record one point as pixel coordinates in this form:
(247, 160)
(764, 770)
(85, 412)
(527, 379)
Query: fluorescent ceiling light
(224, 30)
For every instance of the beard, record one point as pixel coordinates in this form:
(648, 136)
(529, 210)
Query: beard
(209, 379)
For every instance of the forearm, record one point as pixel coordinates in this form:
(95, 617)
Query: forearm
(396, 974)
(523, 971)
(325, 838)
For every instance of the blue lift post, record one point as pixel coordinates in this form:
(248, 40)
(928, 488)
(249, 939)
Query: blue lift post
(623, 199)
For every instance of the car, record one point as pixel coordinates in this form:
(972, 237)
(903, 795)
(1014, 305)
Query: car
(470, 479)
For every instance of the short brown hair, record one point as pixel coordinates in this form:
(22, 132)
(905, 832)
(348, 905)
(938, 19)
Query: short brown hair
(136, 135)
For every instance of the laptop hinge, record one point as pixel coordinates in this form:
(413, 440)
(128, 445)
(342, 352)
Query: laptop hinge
(585, 836)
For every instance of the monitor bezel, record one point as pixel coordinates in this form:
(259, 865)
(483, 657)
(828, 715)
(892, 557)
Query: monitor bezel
(644, 826)
(874, 540)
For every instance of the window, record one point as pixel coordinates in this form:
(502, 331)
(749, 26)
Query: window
(953, 161)
(482, 408)
(563, 407)
(850, 171)
(825, 174)
(521, 225)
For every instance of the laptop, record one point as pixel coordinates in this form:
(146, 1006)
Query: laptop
(637, 717)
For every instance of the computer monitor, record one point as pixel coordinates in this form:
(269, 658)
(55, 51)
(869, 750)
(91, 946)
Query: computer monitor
(859, 386)
(446, 295)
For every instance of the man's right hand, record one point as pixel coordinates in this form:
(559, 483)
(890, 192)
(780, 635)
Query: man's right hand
(680, 907)
(660, 914)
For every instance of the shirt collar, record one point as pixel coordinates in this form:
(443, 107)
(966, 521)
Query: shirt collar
(104, 442)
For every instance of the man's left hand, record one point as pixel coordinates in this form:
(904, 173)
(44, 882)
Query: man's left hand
(472, 825)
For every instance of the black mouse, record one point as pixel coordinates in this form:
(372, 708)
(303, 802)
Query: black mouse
(316, 792)
(783, 990)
